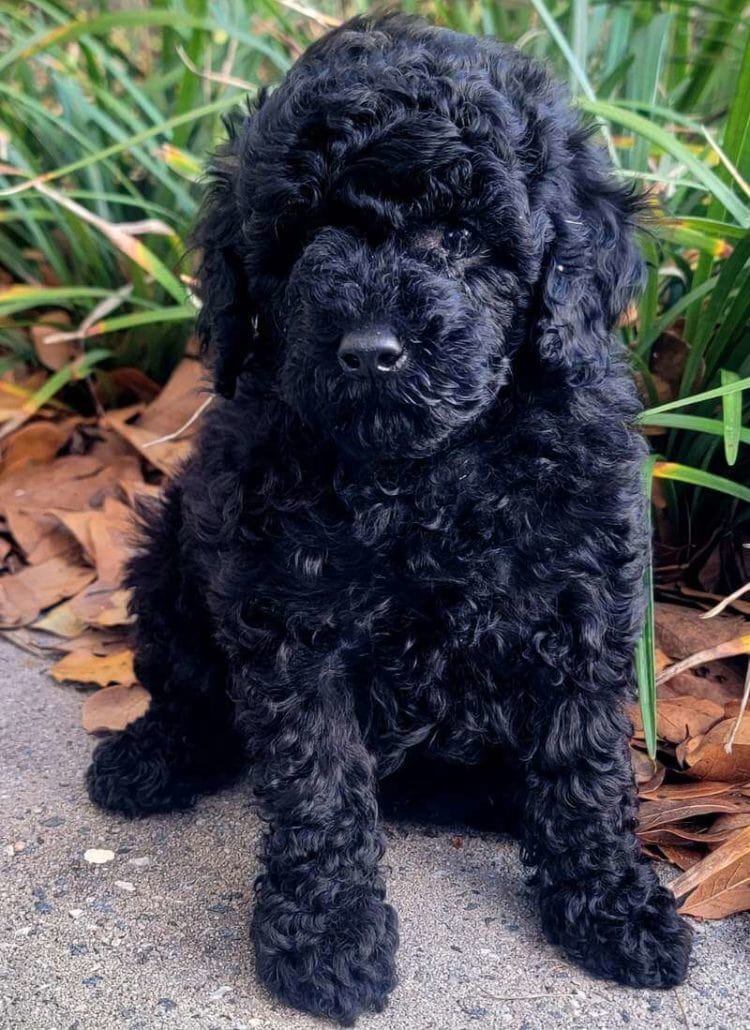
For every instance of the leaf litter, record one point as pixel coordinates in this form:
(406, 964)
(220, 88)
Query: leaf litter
(69, 487)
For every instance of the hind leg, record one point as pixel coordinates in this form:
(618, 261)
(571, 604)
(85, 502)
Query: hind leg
(186, 743)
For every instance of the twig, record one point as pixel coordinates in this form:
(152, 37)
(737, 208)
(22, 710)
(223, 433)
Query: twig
(178, 432)
(326, 20)
(221, 77)
(733, 171)
(101, 310)
(743, 705)
(726, 602)
(729, 649)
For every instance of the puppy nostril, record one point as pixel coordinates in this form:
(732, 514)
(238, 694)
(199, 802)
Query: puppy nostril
(351, 361)
(388, 360)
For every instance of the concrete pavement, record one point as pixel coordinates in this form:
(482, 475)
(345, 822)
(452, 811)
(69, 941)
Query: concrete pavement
(157, 937)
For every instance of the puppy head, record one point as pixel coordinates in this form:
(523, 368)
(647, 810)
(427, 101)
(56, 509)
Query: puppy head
(404, 216)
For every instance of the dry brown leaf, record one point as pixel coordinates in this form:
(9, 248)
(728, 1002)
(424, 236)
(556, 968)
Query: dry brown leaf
(178, 401)
(136, 490)
(135, 382)
(668, 360)
(35, 443)
(96, 641)
(105, 536)
(14, 395)
(681, 632)
(658, 813)
(99, 605)
(113, 708)
(53, 355)
(706, 757)
(84, 667)
(679, 718)
(685, 836)
(716, 681)
(28, 592)
(701, 789)
(62, 621)
(686, 717)
(73, 483)
(649, 772)
(682, 856)
(720, 884)
(729, 822)
(38, 535)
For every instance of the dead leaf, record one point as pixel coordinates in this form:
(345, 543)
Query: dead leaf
(668, 360)
(83, 667)
(172, 409)
(682, 856)
(74, 482)
(35, 443)
(28, 592)
(657, 813)
(649, 772)
(702, 789)
(114, 708)
(62, 621)
(706, 757)
(99, 605)
(38, 535)
(95, 641)
(720, 884)
(680, 718)
(681, 632)
(53, 355)
(105, 536)
(729, 822)
(716, 681)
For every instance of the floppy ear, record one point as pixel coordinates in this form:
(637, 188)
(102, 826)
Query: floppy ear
(227, 322)
(592, 268)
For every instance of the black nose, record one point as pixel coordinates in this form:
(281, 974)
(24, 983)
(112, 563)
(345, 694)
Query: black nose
(370, 352)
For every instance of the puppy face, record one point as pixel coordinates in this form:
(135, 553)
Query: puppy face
(399, 315)
(391, 222)
(400, 286)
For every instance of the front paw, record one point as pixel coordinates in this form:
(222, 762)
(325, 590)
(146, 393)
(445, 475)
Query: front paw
(631, 935)
(130, 774)
(337, 962)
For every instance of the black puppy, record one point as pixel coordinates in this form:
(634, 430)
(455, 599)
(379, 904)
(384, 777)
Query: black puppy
(415, 523)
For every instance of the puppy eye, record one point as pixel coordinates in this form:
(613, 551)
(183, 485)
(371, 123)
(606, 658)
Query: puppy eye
(459, 242)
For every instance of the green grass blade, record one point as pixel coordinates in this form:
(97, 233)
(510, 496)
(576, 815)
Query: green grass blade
(699, 477)
(731, 407)
(644, 649)
(671, 145)
(696, 398)
(696, 423)
(163, 128)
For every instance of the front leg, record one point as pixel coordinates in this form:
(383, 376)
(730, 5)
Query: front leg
(600, 898)
(324, 937)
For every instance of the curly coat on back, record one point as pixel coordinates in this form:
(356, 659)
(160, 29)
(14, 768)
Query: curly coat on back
(412, 532)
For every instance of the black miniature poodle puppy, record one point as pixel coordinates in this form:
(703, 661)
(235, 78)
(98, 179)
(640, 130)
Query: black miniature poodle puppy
(415, 521)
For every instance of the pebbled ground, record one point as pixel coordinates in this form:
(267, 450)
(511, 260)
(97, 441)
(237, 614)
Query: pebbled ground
(157, 938)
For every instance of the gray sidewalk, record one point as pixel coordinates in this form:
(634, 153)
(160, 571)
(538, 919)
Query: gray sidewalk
(157, 937)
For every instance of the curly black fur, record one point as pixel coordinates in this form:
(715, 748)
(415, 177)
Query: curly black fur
(445, 562)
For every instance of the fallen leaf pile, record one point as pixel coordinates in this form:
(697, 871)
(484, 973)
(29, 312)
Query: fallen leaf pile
(68, 488)
(695, 807)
